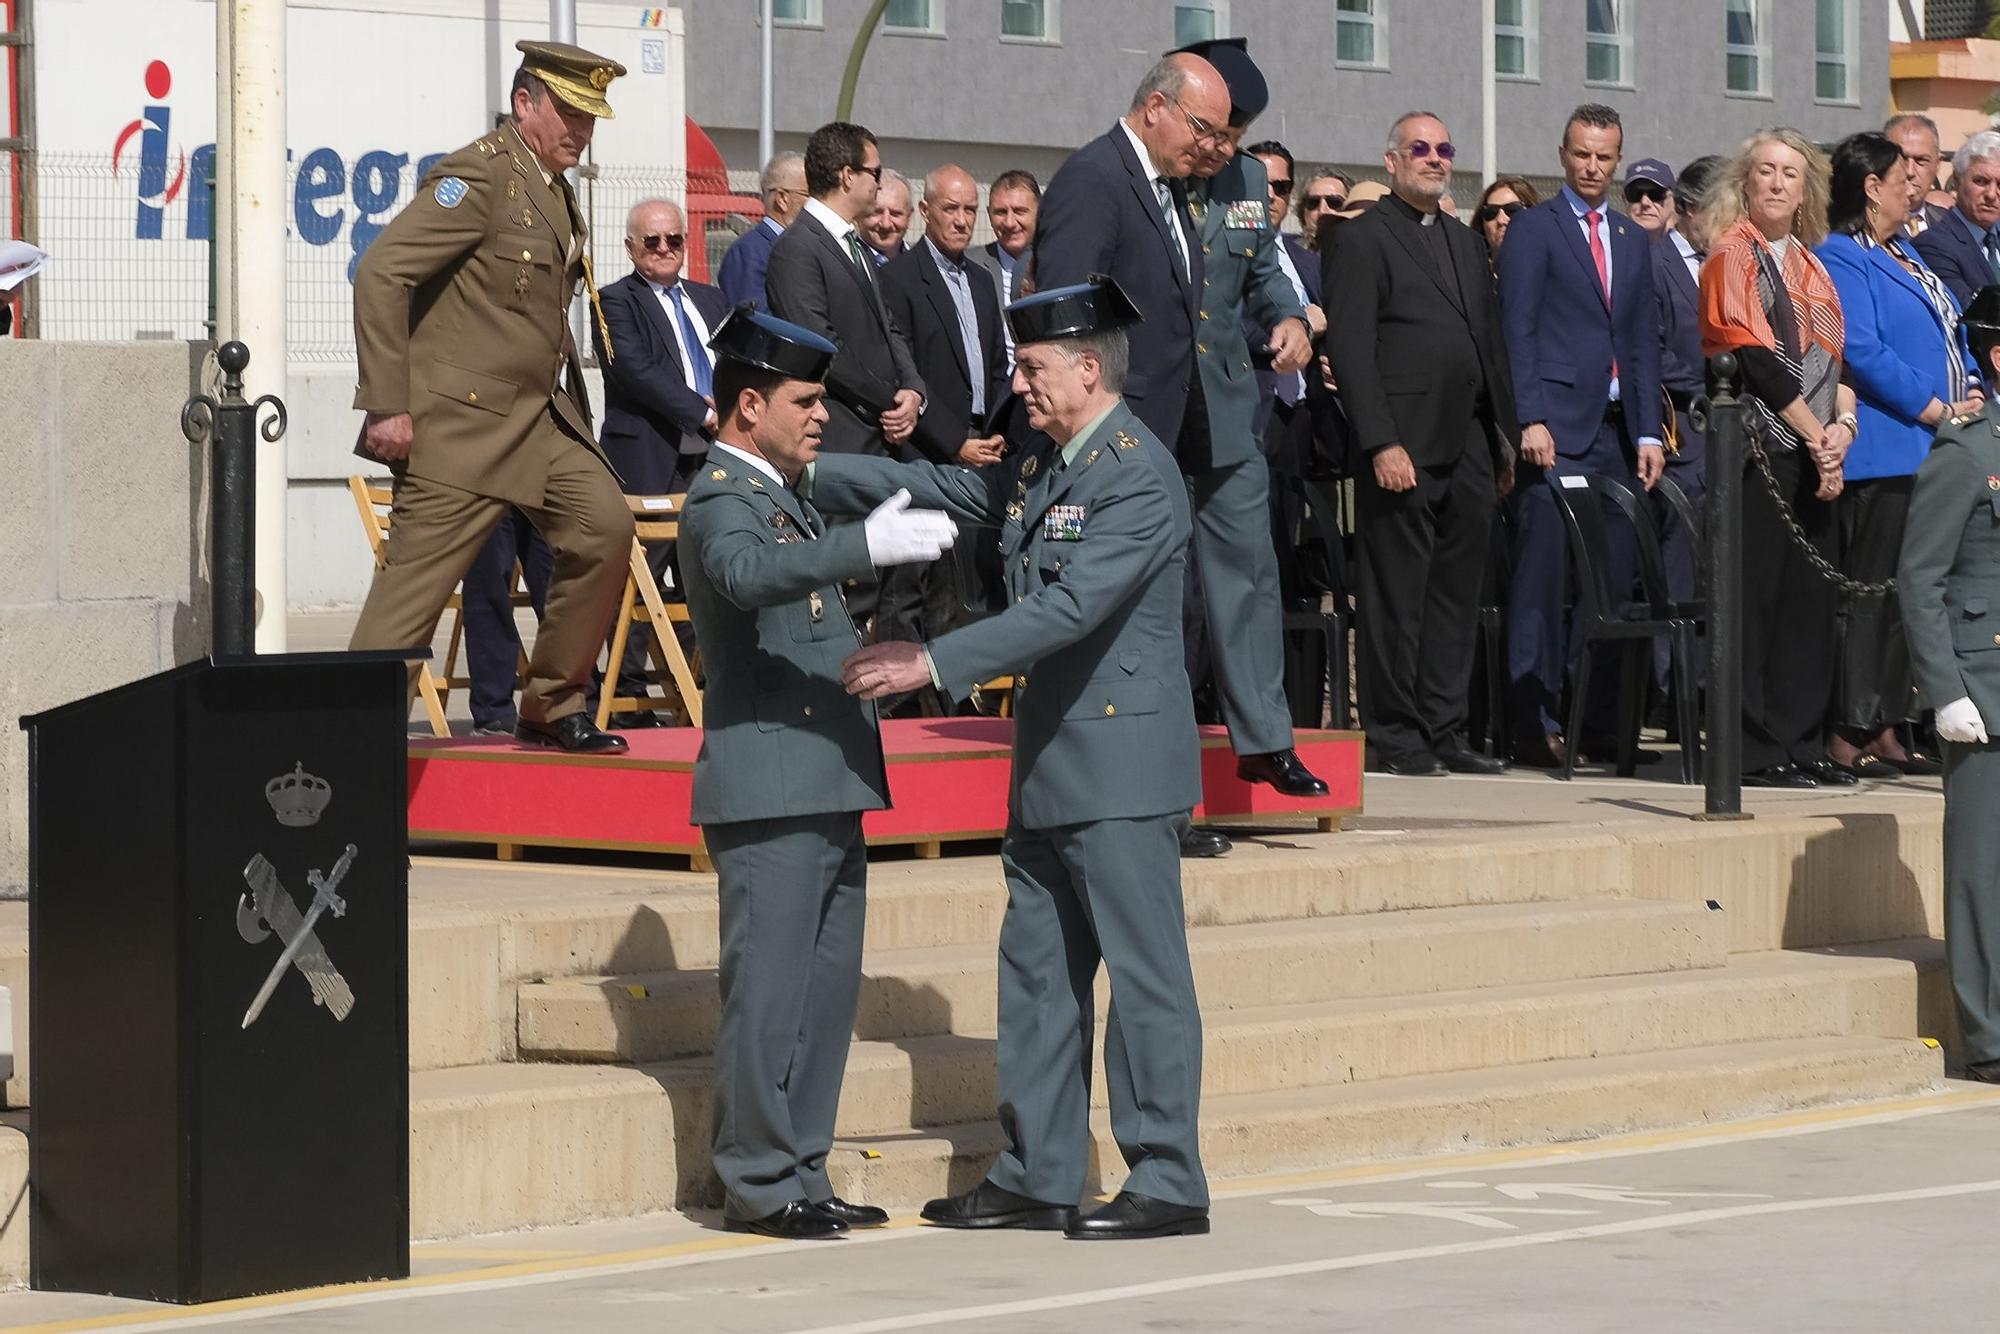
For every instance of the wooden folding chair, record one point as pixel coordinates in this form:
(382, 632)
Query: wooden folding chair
(374, 499)
(654, 519)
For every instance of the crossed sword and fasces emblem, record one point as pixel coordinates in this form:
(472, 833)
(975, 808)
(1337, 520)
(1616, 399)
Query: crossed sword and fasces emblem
(269, 907)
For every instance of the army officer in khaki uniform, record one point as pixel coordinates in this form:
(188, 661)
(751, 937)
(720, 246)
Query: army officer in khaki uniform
(1949, 582)
(788, 762)
(475, 395)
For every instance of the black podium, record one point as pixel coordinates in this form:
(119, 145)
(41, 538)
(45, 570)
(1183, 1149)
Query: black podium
(219, 879)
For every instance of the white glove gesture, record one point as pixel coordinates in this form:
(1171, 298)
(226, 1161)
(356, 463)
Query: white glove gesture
(1960, 721)
(899, 535)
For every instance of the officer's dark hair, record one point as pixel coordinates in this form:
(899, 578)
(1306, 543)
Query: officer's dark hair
(1855, 159)
(1598, 117)
(1692, 184)
(1272, 148)
(1015, 179)
(1983, 337)
(529, 83)
(732, 377)
(834, 146)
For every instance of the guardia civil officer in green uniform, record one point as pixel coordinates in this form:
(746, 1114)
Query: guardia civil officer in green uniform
(474, 393)
(788, 762)
(1948, 579)
(1236, 566)
(1094, 525)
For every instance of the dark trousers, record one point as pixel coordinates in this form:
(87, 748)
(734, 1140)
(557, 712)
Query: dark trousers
(1877, 685)
(1422, 563)
(492, 643)
(919, 603)
(1538, 629)
(1678, 550)
(1788, 619)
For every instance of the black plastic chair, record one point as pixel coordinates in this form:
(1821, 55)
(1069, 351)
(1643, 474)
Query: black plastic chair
(1334, 628)
(1607, 612)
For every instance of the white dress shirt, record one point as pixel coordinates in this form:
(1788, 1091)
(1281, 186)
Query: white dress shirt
(1153, 181)
(690, 444)
(756, 461)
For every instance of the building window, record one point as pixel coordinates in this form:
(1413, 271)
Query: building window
(1514, 38)
(1607, 42)
(911, 16)
(797, 13)
(1747, 49)
(1200, 21)
(1361, 33)
(1028, 20)
(1833, 79)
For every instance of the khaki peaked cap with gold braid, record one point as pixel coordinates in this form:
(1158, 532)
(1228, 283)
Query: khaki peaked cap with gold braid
(577, 76)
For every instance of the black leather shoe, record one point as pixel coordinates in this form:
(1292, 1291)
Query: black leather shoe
(1986, 1072)
(1780, 775)
(801, 1220)
(627, 722)
(1829, 774)
(854, 1215)
(1132, 1217)
(573, 732)
(1870, 765)
(1204, 843)
(1461, 760)
(1417, 764)
(1542, 752)
(1283, 770)
(987, 1205)
(1917, 764)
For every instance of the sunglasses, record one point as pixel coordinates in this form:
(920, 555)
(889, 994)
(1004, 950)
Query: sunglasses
(875, 171)
(1646, 190)
(667, 241)
(1326, 201)
(1485, 213)
(1281, 188)
(1446, 150)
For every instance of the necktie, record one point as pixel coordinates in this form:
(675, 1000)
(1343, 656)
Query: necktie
(1603, 268)
(1993, 254)
(1166, 197)
(698, 362)
(860, 258)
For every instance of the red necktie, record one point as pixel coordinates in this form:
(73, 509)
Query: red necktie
(1603, 269)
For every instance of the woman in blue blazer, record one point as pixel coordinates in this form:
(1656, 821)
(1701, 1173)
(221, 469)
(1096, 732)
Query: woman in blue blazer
(1911, 368)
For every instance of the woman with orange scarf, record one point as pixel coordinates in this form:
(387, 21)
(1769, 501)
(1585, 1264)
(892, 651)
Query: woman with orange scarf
(1766, 298)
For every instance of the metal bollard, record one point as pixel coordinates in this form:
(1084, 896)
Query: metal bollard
(1727, 421)
(231, 426)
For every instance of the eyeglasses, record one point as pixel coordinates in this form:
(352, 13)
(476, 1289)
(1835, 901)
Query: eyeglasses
(875, 171)
(1282, 189)
(663, 241)
(1646, 190)
(1204, 133)
(1485, 213)
(1326, 201)
(1420, 148)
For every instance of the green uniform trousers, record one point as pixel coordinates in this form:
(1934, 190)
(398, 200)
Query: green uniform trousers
(1972, 893)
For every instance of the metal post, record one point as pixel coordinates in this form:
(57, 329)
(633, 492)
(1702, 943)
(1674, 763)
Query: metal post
(1726, 422)
(767, 125)
(231, 427)
(1489, 97)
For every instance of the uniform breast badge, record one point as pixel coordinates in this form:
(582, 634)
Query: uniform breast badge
(1063, 523)
(815, 604)
(1031, 465)
(1250, 213)
(1992, 482)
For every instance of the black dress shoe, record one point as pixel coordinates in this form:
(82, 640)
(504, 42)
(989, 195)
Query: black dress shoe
(1780, 775)
(1132, 1217)
(1416, 764)
(1870, 765)
(1986, 1072)
(1543, 752)
(801, 1220)
(1604, 750)
(1283, 770)
(1827, 773)
(626, 722)
(1204, 843)
(987, 1205)
(574, 732)
(1917, 764)
(1461, 760)
(854, 1215)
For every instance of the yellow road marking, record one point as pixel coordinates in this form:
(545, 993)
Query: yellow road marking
(481, 1253)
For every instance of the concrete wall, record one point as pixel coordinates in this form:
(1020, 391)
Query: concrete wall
(99, 575)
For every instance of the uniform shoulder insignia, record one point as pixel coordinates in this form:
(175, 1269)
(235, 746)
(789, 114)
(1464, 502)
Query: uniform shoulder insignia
(1127, 441)
(450, 192)
(718, 475)
(1967, 418)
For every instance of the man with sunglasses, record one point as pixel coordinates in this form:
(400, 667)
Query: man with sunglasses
(783, 187)
(1322, 197)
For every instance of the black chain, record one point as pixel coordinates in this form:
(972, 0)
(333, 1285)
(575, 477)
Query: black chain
(1825, 568)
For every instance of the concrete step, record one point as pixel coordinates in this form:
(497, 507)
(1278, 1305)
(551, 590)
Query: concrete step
(502, 1147)
(914, 993)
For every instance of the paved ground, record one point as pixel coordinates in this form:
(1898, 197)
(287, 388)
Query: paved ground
(1861, 1219)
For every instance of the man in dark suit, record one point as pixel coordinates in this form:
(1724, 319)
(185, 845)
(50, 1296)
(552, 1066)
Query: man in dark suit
(741, 276)
(659, 395)
(1423, 371)
(1013, 203)
(951, 313)
(822, 277)
(1288, 405)
(1917, 135)
(1582, 326)
(1963, 247)
(888, 223)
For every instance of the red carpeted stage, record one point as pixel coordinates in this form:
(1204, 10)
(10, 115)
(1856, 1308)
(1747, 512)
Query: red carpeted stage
(947, 778)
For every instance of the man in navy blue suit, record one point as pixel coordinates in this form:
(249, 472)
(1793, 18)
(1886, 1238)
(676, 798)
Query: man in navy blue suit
(1582, 325)
(741, 276)
(659, 400)
(1963, 246)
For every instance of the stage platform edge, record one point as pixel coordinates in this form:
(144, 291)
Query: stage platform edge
(947, 778)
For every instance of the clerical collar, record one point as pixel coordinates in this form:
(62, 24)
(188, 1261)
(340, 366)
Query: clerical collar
(1412, 212)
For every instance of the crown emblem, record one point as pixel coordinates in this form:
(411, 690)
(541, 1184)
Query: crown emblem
(297, 798)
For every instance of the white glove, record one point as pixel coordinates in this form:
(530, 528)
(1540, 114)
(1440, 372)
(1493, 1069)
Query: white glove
(1960, 721)
(899, 535)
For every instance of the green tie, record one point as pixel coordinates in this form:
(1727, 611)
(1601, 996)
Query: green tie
(861, 260)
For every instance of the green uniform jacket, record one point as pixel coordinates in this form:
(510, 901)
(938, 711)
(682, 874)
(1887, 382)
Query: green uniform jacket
(1094, 556)
(461, 320)
(781, 736)
(1239, 256)
(1948, 579)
